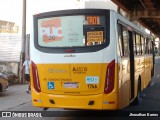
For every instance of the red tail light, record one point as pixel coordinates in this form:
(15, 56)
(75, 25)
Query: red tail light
(36, 82)
(110, 74)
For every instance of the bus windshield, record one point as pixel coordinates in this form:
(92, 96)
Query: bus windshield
(72, 31)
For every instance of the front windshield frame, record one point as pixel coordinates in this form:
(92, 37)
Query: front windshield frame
(77, 49)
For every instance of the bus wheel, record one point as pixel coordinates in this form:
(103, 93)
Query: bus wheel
(45, 109)
(137, 99)
(149, 84)
(0, 88)
(152, 72)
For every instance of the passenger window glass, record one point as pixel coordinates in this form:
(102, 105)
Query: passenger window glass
(150, 48)
(125, 41)
(120, 39)
(143, 45)
(138, 43)
(135, 46)
(146, 46)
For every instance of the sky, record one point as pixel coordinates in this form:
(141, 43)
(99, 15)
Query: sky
(39, 6)
(11, 10)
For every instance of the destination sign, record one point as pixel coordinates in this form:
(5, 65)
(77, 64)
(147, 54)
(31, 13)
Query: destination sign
(93, 20)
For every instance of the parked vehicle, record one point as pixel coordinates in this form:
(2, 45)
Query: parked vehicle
(3, 82)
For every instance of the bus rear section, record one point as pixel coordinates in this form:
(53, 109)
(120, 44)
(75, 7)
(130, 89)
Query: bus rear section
(73, 62)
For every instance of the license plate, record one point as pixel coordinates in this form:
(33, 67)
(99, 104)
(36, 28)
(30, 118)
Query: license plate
(71, 85)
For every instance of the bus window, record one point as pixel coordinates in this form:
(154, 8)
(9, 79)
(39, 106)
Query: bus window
(150, 48)
(146, 46)
(120, 39)
(125, 41)
(138, 43)
(143, 44)
(71, 31)
(135, 45)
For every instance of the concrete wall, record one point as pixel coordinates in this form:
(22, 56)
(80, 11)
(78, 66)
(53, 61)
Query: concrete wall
(10, 47)
(9, 68)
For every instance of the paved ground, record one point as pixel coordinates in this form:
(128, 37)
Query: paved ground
(15, 96)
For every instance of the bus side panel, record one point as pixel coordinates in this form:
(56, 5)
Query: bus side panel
(142, 72)
(137, 74)
(145, 73)
(124, 83)
(124, 94)
(148, 67)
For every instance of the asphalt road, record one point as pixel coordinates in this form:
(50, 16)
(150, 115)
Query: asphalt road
(150, 105)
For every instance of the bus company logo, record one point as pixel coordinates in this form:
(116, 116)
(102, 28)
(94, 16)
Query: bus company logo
(70, 55)
(51, 70)
(51, 30)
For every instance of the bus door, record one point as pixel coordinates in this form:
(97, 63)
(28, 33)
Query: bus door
(131, 57)
(124, 73)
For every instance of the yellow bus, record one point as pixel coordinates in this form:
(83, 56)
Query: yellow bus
(88, 59)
